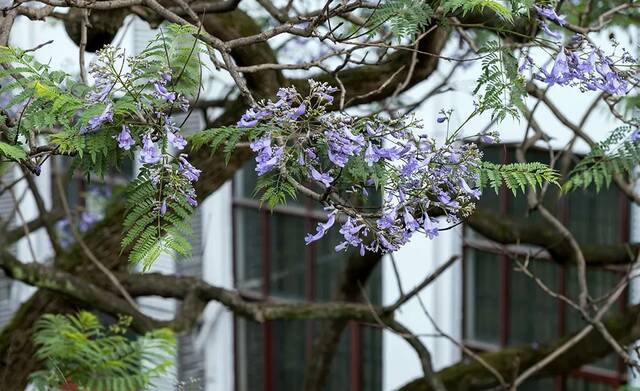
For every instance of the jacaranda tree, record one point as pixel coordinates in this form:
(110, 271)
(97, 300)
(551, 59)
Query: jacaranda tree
(343, 133)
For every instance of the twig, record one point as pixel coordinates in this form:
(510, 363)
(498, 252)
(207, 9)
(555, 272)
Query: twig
(114, 280)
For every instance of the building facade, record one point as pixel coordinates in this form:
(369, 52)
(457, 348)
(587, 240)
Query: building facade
(237, 245)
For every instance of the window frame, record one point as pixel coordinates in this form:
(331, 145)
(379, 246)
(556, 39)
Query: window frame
(311, 216)
(604, 376)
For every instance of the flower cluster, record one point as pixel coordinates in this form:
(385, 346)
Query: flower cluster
(591, 71)
(548, 13)
(582, 64)
(157, 135)
(345, 158)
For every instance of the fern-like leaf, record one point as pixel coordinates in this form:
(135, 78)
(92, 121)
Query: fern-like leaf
(405, 18)
(149, 232)
(77, 349)
(515, 176)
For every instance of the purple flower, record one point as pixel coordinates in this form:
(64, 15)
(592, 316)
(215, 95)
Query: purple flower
(410, 167)
(163, 207)
(475, 193)
(588, 65)
(635, 135)
(192, 201)
(251, 118)
(446, 200)
(326, 97)
(410, 222)
(550, 13)
(323, 178)
(560, 73)
(176, 140)
(87, 220)
(487, 139)
(100, 91)
(351, 233)
(163, 93)
(266, 158)
(187, 169)
(387, 220)
(311, 154)
(343, 144)
(125, 141)
(429, 228)
(260, 143)
(299, 111)
(441, 119)
(321, 229)
(370, 155)
(149, 153)
(553, 34)
(165, 76)
(96, 122)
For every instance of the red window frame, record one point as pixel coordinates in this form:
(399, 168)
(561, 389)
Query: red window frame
(311, 216)
(615, 379)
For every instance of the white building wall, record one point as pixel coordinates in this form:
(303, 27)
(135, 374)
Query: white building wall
(216, 335)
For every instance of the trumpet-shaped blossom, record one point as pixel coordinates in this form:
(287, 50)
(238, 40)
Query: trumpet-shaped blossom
(176, 140)
(149, 153)
(323, 178)
(430, 229)
(125, 141)
(267, 158)
(550, 13)
(162, 92)
(187, 169)
(321, 229)
(96, 122)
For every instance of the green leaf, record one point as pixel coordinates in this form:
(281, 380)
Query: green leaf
(13, 152)
(515, 176)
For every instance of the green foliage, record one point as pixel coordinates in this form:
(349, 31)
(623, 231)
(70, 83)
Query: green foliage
(274, 189)
(613, 156)
(12, 151)
(405, 18)
(50, 98)
(502, 87)
(146, 229)
(77, 349)
(467, 6)
(515, 176)
(94, 152)
(226, 137)
(176, 49)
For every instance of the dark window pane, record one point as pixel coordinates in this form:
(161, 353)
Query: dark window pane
(483, 292)
(340, 372)
(287, 258)
(289, 354)
(582, 384)
(250, 360)
(533, 314)
(539, 385)
(248, 249)
(595, 218)
(371, 359)
(246, 180)
(329, 265)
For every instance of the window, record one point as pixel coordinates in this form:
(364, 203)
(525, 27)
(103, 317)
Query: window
(504, 307)
(272, 260)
